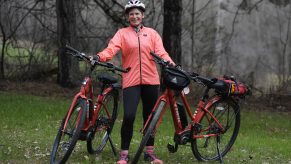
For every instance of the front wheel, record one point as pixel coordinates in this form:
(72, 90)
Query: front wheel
(149, 132)
(67, 137)
(107, 114)
(227, 112)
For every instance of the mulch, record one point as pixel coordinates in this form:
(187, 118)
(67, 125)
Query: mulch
(37, 88)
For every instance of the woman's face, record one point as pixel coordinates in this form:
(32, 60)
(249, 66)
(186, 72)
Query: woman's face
(135, 17)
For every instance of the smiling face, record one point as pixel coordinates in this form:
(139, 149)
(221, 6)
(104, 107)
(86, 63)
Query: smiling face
(135, 17)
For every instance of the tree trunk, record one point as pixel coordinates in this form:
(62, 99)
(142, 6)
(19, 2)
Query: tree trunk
(172, 29)
(66, 29)
(2, 74)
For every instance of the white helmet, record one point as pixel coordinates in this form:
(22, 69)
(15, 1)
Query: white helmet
(134, 4)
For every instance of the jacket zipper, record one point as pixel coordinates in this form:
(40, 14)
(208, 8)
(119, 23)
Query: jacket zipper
(139, 57)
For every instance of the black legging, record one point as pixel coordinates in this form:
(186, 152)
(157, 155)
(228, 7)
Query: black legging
(131, 96)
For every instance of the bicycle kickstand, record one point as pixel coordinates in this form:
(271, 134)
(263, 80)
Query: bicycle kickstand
(218, 151)
(112, 146)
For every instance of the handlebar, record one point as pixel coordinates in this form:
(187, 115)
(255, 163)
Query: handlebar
(159, 60)
(210, 83)
(82, 56)
(203, 80)
(193, 76)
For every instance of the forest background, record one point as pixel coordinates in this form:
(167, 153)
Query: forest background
(249, 39)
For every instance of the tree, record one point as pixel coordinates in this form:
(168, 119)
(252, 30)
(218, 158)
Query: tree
(66, 29)
(9, 24)
(172, 29)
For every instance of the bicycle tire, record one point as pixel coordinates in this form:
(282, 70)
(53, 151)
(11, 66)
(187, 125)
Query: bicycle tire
(65, 142)
(205, 149)
(104, 123)
(148, 132)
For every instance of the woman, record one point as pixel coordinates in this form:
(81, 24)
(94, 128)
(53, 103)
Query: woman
(142, 81)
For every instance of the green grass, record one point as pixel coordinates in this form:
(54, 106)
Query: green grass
(29, 125)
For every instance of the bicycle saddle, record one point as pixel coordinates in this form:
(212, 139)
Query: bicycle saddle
(107, 79)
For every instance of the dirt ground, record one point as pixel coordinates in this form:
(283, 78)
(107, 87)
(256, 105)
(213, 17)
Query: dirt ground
(44, 88)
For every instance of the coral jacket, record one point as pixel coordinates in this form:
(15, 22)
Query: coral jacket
(135, 48)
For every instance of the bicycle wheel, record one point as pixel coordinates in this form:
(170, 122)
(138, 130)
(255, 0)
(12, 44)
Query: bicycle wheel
(148, 132)
(104, 124)
(66, 139)
(228, 114)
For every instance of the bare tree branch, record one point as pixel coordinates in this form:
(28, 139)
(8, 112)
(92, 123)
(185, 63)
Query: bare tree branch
(109, 10)
(22, 19)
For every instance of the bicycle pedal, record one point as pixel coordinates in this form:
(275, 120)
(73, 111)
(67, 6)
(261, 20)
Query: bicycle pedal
(172, 148)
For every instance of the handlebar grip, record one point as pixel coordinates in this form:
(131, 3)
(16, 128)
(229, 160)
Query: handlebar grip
(108, 65)
(111, 66)
(71, 49)
(155, 55)
(77, 53)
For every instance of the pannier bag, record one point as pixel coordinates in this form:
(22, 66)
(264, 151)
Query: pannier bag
(175, 78)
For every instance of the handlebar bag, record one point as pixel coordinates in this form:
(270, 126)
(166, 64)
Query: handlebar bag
(175, 78)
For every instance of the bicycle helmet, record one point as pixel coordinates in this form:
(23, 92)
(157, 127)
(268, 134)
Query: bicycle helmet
(134, 4)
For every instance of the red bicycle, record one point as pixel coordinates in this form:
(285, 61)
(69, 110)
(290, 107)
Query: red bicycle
(212, 129)
(87, 120)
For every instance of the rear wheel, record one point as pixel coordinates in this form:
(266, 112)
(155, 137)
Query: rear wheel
(104, 124)
(228, 114)
(67, 137)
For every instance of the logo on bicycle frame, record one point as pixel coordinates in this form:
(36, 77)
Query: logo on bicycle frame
(174, 80)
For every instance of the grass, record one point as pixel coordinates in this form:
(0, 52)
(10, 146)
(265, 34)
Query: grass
(29, 125)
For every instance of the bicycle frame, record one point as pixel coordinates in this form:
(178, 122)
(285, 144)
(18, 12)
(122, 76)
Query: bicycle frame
(168, 97)
(86, 92)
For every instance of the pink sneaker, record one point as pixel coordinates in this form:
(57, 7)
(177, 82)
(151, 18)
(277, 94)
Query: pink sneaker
(123, 157)
(121, 161)
(150, 156)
